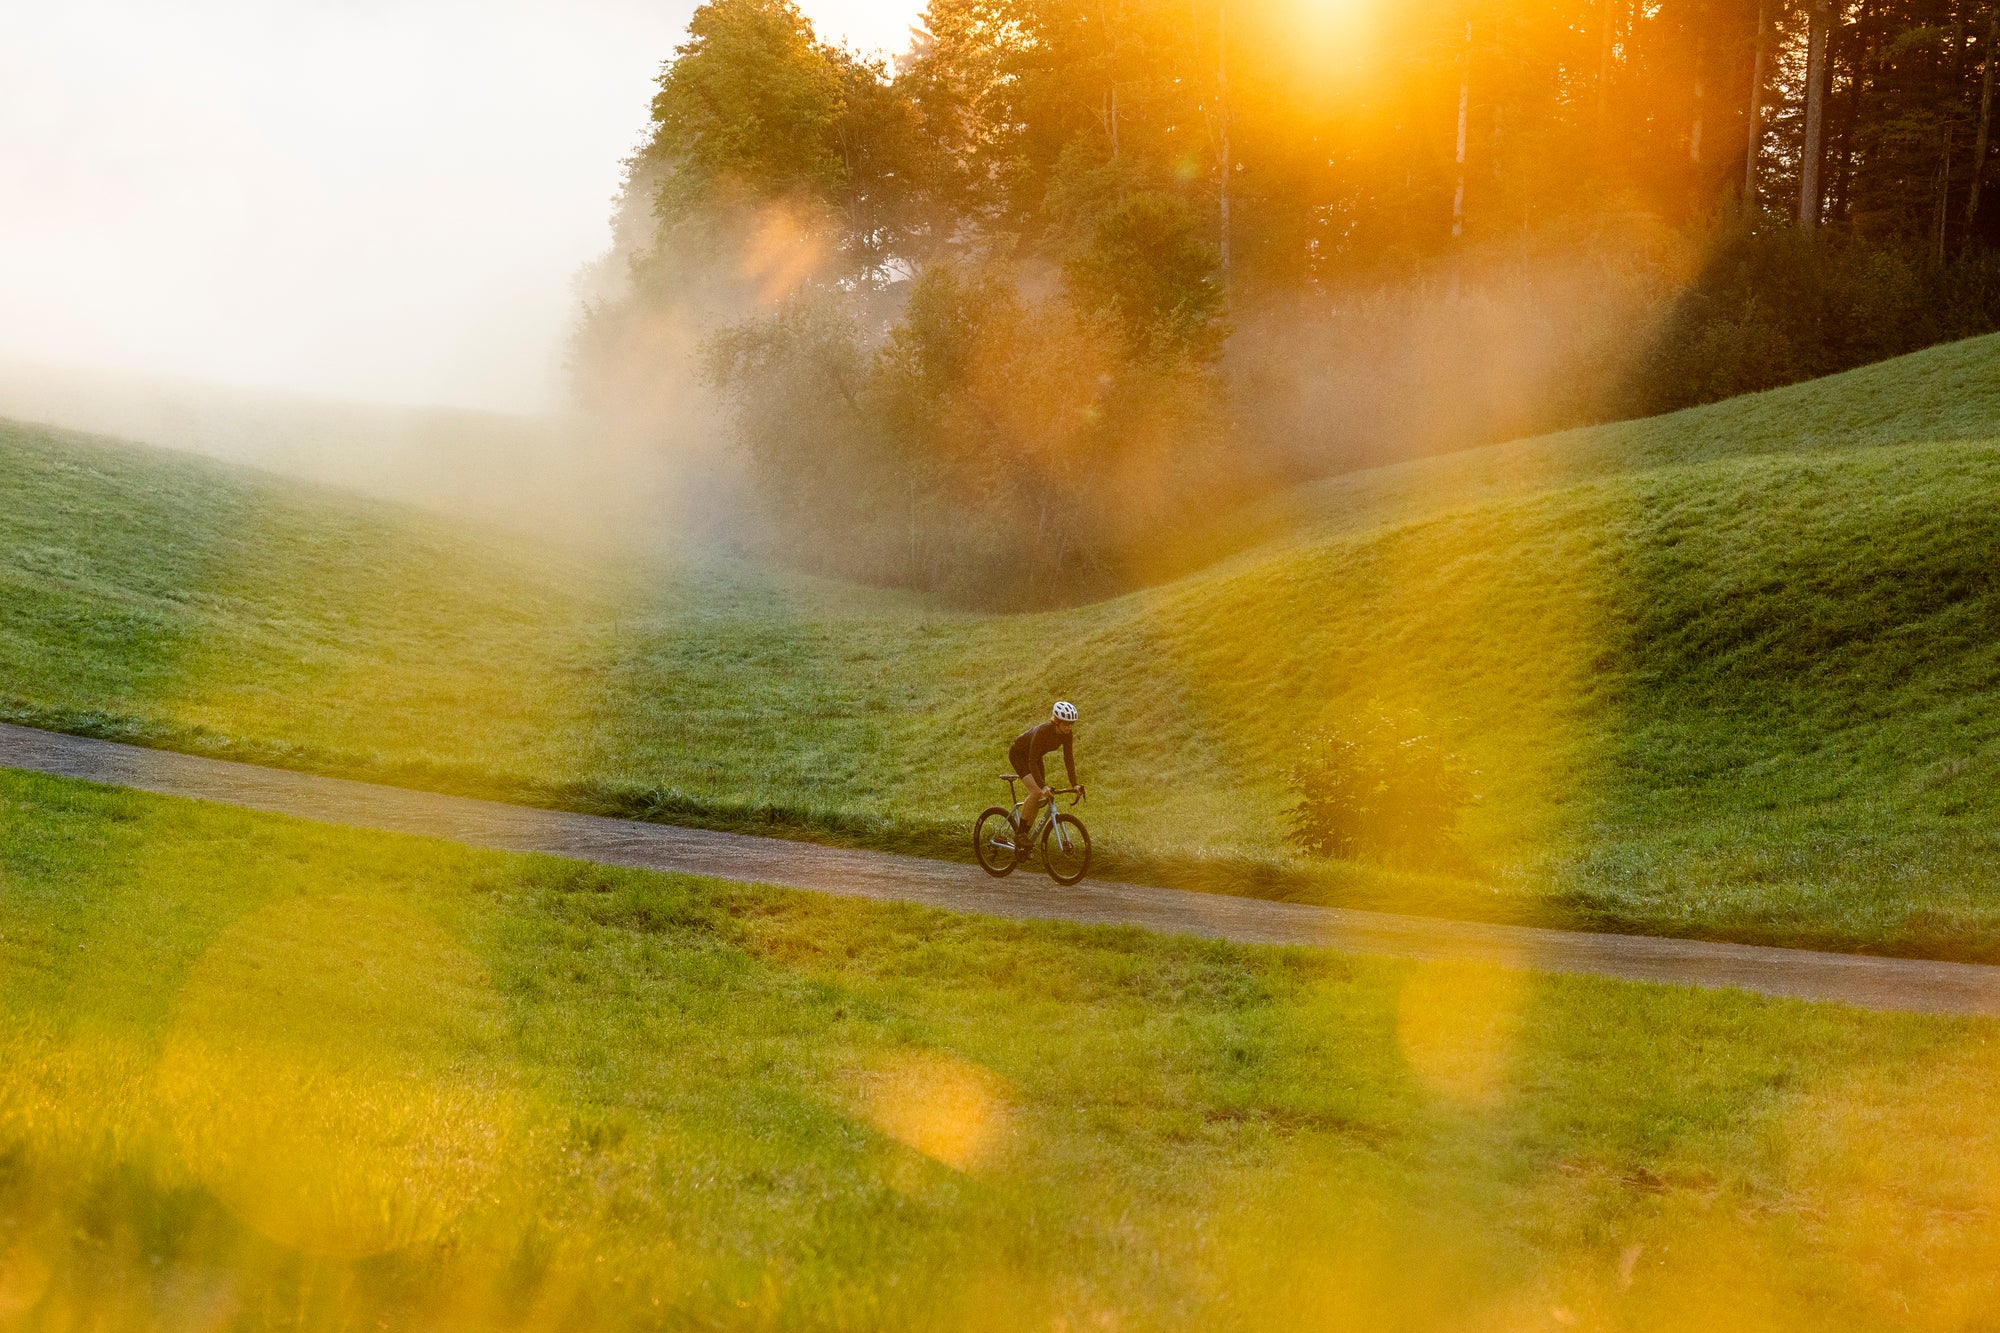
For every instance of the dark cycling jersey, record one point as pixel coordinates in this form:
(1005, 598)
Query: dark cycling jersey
(1029, 747)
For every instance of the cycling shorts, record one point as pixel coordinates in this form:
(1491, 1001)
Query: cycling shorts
(1023, 765)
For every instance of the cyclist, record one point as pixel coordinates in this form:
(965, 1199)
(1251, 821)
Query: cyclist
(1026, 757)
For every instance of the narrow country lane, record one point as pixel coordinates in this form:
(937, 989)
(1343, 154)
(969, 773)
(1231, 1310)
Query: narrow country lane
(1879, 983)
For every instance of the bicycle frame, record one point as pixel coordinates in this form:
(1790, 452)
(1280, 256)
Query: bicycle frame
(1043, 818)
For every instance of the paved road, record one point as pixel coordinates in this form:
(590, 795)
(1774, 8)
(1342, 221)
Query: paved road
(1880, 983)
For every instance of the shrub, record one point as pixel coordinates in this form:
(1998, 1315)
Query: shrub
(1388, 791)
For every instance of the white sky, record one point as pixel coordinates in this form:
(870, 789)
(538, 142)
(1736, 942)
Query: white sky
(380, 199)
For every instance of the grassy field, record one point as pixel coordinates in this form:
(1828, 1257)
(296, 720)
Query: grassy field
(263, 1073)
(1731, 673)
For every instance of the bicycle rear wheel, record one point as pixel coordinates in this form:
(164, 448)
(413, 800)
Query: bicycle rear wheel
(993, 841)
(1066, 849)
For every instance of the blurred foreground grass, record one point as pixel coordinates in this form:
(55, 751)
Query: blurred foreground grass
(1733, 673)
(259, 1073)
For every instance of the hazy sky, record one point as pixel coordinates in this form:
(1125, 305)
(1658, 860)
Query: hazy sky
(382, 199)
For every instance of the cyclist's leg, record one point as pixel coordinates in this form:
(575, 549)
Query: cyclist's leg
(1030, 774)
(1037, 785)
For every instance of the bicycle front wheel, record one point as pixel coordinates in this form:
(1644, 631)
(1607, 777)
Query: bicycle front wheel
(993, 841)
(1066, 849)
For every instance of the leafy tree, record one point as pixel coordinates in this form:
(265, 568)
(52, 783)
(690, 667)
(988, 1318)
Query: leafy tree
(1149, 264)
(797, 378)
(752, 101)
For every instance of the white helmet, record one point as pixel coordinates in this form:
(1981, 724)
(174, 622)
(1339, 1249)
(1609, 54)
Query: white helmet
(1065, 712)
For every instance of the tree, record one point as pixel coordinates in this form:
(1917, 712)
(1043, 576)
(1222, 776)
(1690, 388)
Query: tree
(1148, 266)
(753, 101)
(1985, 133)
(1813, 151)
(1754, 126)
(1053, 201)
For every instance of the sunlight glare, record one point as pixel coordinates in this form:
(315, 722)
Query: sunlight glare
(1459, 1025)
(1317, 42)
(313, 1077)
(24, 1276)
(950, 1110)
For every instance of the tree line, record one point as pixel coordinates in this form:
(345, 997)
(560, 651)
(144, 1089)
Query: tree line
(1068, 276)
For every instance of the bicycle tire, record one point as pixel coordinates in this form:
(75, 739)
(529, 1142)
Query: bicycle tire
(1003, 861)
(1056, 860)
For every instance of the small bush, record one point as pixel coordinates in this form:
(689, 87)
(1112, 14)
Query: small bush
(1386, 791)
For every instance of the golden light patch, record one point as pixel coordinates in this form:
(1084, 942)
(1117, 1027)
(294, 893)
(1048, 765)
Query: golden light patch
(1897, 1173)
(1459, 1025)
(24, 1276)
(331, 1074)
(782, 251)
(950, 1110)
(1530, 1310)
(1711, 1268)
(67, 1091)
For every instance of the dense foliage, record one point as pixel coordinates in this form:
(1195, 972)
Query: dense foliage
(1384, 790)
(1778, 307)
(1002, 450)
(1072, 273)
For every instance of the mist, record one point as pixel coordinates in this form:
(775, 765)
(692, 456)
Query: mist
(372, 201)
(343, 241)
(428, 250)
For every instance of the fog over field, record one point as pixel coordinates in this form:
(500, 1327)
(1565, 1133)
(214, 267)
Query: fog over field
(372, 201)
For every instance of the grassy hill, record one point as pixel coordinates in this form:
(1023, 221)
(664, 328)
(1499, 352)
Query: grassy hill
(1734, 672)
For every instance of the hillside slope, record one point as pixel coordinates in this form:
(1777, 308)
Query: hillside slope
(1733, 672)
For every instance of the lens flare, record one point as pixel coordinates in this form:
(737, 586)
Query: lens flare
(24, 1276)
(330, 1075)
(782, 251)
(1459, 1026)
(950, 1110)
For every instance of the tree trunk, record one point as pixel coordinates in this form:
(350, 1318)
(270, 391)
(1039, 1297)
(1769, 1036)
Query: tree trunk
(1222, 86)
(1754, 136)
(1850, 48)
(1700, 93)
(1815, 138)
(1944, 195)
(1985, 132)
(1464, 110)
(1604, 67)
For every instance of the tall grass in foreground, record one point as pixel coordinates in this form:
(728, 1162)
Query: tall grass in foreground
(257, 1073)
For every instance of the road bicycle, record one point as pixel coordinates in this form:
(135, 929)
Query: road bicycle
(1001, 844)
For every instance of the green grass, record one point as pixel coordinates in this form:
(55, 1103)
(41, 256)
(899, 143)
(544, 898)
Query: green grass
(256, 1072)
(1728, 673)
